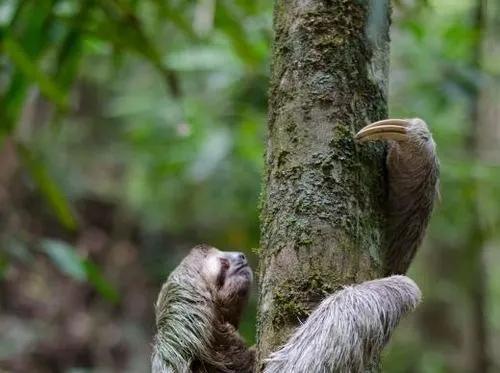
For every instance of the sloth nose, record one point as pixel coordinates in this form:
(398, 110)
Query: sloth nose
(239, 258)
(242, 258)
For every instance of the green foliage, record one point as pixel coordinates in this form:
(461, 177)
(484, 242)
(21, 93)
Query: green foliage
(180, 129)
(31, 71)
(48, 187)
(64, 256)
(96, 279)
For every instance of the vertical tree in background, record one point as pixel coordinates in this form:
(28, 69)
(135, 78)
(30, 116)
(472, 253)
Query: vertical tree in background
(322, 220)
(476, 278)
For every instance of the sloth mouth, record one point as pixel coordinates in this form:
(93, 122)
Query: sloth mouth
(243, 270)
(240, 267)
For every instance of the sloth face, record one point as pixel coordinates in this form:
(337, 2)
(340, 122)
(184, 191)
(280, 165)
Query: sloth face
(227, 270)
(230, 278)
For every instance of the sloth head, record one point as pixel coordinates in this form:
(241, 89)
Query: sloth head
(203, 297)
(229, 277)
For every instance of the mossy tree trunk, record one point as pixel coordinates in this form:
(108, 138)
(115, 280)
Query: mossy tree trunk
(322, 214)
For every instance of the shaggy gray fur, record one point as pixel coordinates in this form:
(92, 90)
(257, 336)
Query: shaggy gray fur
(184, 309)
(348, 329)
(413, 174)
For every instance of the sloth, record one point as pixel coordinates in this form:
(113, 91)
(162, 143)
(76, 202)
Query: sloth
(198, 312)
(200, 305)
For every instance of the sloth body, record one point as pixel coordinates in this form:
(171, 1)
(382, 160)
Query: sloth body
(198, 312)
(200, 305)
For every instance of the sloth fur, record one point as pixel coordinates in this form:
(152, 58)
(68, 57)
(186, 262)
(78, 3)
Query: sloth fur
(198, 312)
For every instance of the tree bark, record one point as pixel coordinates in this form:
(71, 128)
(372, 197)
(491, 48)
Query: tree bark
(322, 202)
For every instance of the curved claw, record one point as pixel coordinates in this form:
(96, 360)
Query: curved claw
(387, 129)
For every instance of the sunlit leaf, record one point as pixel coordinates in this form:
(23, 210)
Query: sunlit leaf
(65, 258)
(7, 11)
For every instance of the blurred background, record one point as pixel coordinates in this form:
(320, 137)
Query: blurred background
(132, 130)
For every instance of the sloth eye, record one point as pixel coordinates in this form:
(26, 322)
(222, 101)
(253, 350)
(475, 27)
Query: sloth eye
(224, 264)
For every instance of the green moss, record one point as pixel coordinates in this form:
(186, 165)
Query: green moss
(256, 250)
(282, 157)
(295, 298)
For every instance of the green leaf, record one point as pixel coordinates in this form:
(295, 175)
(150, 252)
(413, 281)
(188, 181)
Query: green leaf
(48, 187)
(7, 12)
(30, 25)
(25, 64)
(69, 54)
(95, 277)
(65, 258)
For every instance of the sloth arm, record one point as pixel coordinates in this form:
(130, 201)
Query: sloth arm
(412, 178)
(348, 330)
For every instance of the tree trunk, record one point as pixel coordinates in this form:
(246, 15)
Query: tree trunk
(476, 239)
(322, 214)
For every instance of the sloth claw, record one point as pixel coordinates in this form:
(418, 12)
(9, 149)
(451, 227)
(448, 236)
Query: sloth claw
(387, 129)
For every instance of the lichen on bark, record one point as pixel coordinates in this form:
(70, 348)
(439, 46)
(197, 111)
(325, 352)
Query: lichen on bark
(321, 217)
